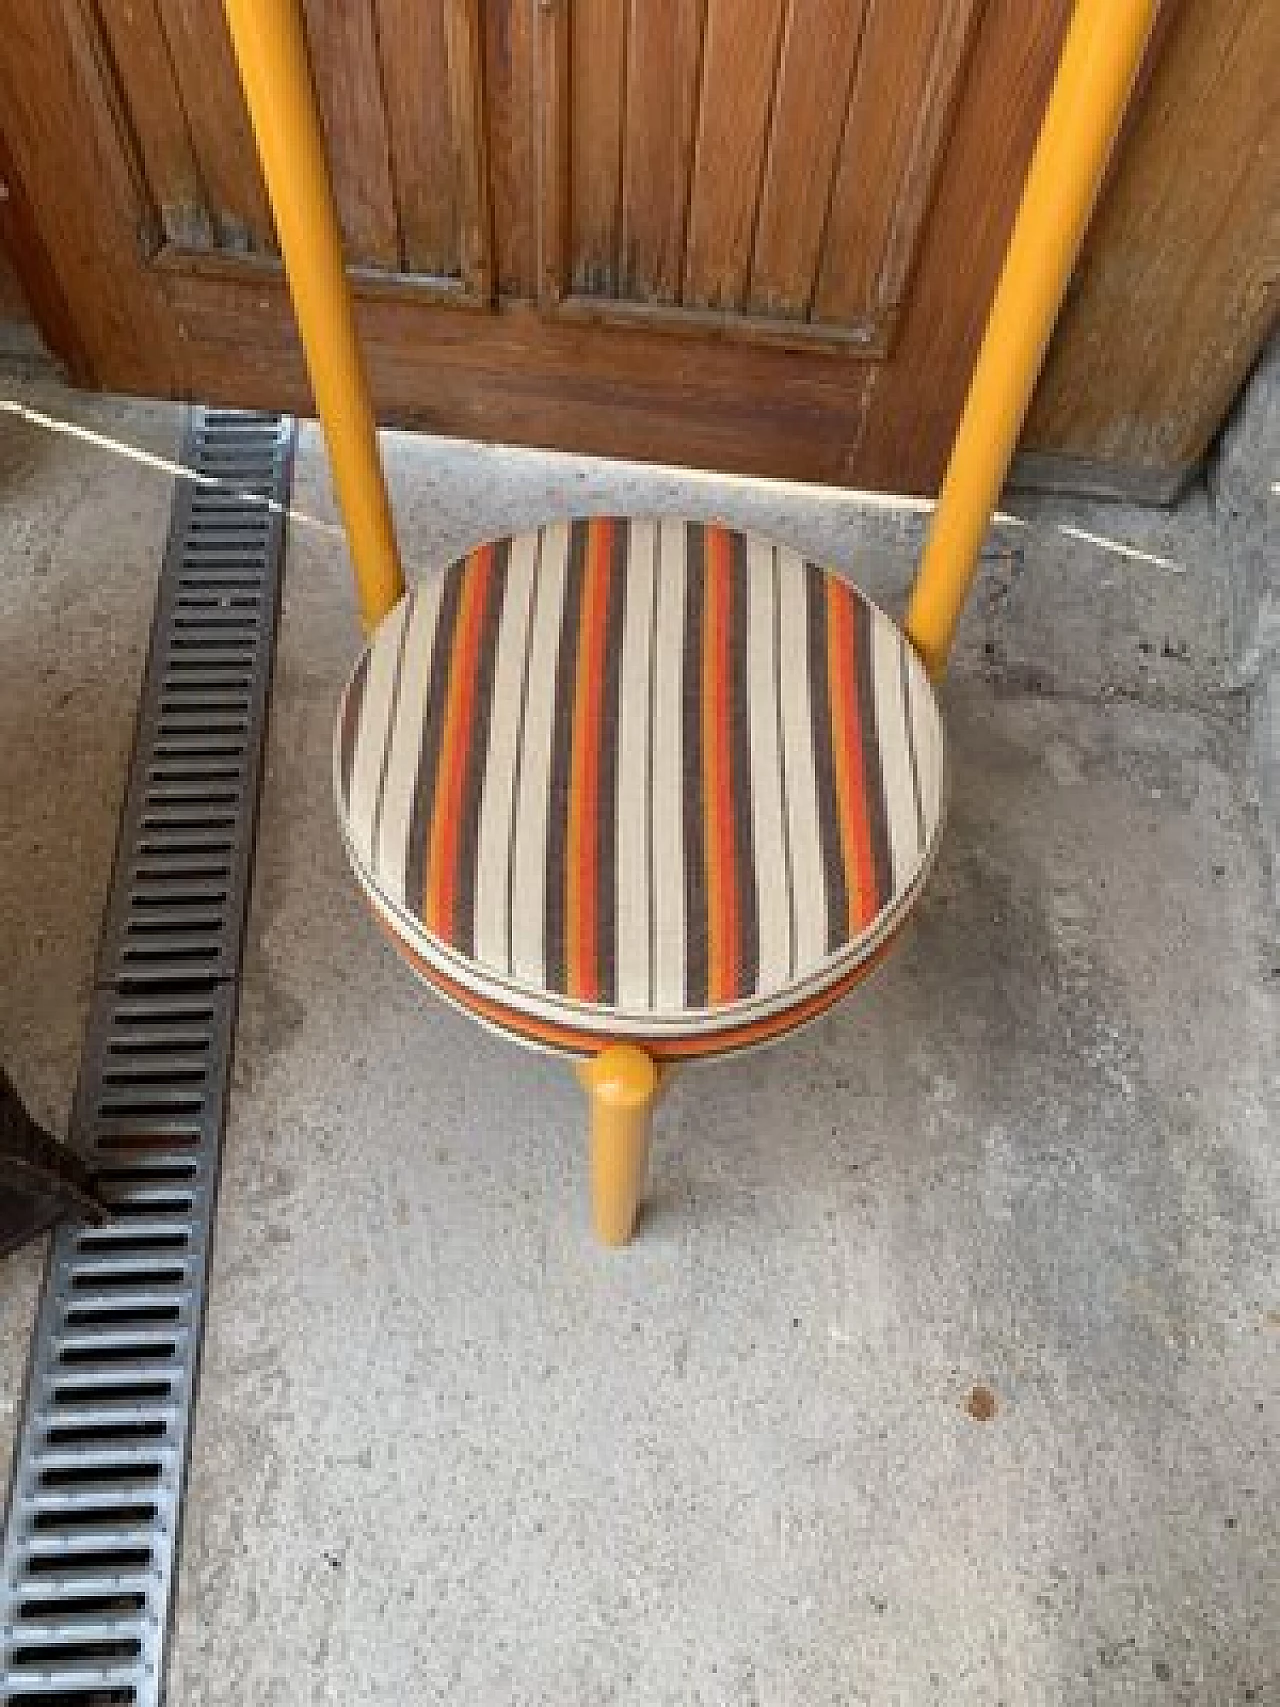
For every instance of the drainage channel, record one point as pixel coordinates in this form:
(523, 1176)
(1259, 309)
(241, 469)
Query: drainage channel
(91, 1537)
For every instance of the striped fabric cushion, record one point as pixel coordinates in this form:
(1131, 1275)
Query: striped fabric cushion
(639, 779)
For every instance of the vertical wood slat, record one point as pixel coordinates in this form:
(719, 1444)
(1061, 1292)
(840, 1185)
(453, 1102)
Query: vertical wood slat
(124, 176)
(39, 291)
(140, 55)
(69, 215)
(740, 62)
(209, 86)
(943, 78)
(13, 299)
(554, 208)
(344, 62)
(512, 35)
(598, 93)
(415, 80)
(663, 78)
(819, 53)
(909, 74)
(470, 145)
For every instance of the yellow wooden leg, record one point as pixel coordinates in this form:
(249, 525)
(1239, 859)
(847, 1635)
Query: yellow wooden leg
(1100, 60)
(621, 1085)
(271, 51)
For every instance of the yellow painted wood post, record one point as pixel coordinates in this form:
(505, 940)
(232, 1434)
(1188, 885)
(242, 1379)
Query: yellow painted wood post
(622, 1085)
(271, 51)
(1100, 59)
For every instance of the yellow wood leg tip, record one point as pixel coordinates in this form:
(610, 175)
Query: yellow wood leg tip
(621, 1085)
(621, 1076)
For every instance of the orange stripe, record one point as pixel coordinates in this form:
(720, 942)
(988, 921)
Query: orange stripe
(551, 1036)
(582, 877)
(718, 826)
(846, 741)
(446, 813)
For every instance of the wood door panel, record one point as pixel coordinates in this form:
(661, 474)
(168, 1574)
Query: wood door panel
(818, 131)
(349, 85)
(400, 89)
(208, 87)
(664, 73)
(591, 178)
(815, 78)
(511, 80)
(13, 301)
(134, 35)
(1178, 286)
(420, 133)
(907, 80)
(598, 78)
(739, 73)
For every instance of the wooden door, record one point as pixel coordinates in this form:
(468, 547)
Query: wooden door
(747, 234)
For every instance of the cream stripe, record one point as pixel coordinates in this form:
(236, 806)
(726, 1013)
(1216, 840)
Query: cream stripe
(927, 724)
(493, 840)
(667, 808)
(528, 889)
(406, 737)
(773, 902)
(805, 836)
(895, 760)
(632, 938)
(371, 740)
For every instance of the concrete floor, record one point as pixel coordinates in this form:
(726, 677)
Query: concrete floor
(449, 1450)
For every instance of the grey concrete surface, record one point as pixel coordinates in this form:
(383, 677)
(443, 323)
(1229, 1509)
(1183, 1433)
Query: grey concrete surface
(448, 1449)
(1244, 479)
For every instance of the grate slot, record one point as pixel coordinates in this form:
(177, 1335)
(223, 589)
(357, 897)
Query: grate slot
(193, 696)
(103, 1430)
(84, 1560)
(140, 1208)
(94, 1350)
(102, 1274)
(184, 844)
(91, 1535)
(83, 1516)
(93, 1390)
(81, 1606)
(159, 1173)
(94, 1697)
(185, 769)
(110, 1474)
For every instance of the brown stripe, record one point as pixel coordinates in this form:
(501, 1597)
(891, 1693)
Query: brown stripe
(720, 859)
(559, 782)
(748, 951)
(695, 880)
(872, 775)
(424, 788)
(352, 708)
(607, 857)
(837, 895)
(464, 903)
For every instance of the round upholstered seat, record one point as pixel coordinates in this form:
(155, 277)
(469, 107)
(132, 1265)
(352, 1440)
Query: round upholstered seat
(641, 781)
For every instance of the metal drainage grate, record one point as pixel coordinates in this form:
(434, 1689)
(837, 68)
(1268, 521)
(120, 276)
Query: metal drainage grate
(90, 1545)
